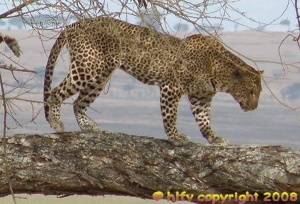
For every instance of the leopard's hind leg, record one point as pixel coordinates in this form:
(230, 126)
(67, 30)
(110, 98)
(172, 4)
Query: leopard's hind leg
(60, 93)
(87, 96)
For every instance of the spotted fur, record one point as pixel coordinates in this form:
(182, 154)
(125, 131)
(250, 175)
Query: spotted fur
(12, 44)
(197, 66)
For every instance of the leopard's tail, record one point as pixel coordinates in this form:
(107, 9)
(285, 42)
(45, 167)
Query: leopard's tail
(57, 47)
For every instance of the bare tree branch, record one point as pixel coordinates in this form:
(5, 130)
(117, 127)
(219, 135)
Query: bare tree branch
(119, 164)
(298, 20)
(5, 162)
(17, 8)
(12, 68)
(142, 3)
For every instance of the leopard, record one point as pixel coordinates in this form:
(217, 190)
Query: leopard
(197, 67)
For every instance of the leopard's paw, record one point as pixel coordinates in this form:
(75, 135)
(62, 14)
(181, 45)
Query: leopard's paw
(57, 126)
(56, 123)
(179, 140)
(217, 140)
(89, 127)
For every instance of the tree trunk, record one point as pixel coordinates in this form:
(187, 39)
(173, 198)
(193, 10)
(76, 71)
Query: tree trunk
(115, 163)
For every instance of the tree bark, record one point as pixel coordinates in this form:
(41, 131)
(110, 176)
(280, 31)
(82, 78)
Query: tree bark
(119, 164)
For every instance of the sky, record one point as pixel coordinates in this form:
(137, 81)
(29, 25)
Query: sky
(248, 13)
(259, 11)
(267, 11)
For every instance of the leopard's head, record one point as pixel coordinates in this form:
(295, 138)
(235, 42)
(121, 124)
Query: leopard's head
(238, 78)
(225, 71)
(245, 87)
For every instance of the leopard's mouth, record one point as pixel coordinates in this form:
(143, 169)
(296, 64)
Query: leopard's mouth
(246, 107)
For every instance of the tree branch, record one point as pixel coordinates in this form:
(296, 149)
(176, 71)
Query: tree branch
(17, 8)
(298, 20)
(4, 141)
(119, 164)
(13, 69)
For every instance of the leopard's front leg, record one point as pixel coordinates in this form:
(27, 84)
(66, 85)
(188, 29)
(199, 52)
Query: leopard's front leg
(200, 106)
(169, 99)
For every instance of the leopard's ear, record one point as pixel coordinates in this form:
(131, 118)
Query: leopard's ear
(237, 75)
